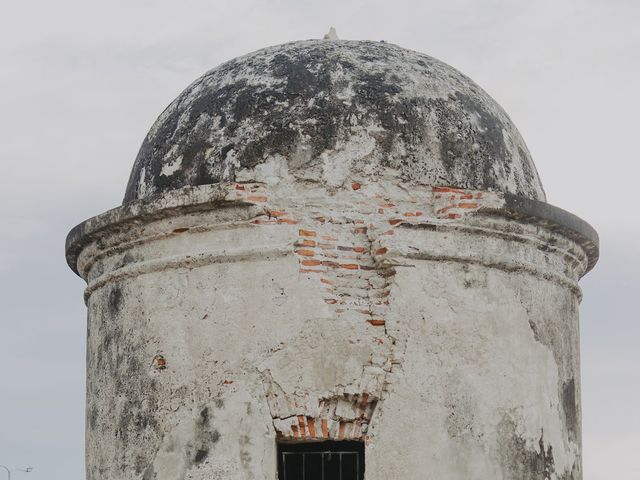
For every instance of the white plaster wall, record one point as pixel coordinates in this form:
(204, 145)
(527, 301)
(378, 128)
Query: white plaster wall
(476, 392)
(448, 342)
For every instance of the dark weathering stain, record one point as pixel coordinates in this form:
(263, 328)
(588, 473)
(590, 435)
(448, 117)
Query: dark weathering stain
(149, 473)
(288, 97)
(116, 299)
(534, 329)
(128, 414)
(197, 450)
(205, 436)
(473, 149)
(518, 461)
(569, 406)
(200, 455)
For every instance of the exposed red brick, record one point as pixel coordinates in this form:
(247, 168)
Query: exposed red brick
(446, 190)
(159, 362)
(311, 263)
(444, 209)
(307, 270)
(388, 205)
(358, 249)
(330, 301)
(356, 430)
(329, 263)
(356, 186)
(227, 382)
(294, 430)
(276, 213)
(363, 404)
(376, 322)
(466, 196)
(306, 243)
(326, 237)
(396, 221)
(305, 253)
(367, 267)
(263, 222)
(389, 232)
(257, 198)
(326, 281)
(453, 216)
(341, 431)
(289, 221)
(311, 424)
(302, 425)
(360, 230)
(325, 430)
(479, 195)
(239, 187)
(381, 251)
(306, 233)
(349, 266)
(468, 205)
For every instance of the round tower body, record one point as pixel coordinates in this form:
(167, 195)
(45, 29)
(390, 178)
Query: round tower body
(333, 241)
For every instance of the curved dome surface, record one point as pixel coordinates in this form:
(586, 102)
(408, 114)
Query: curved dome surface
(332, 110)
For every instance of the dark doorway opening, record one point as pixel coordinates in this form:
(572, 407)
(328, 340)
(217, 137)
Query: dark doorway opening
(321, 461)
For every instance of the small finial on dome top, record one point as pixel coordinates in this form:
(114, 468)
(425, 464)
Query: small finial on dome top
(332, 35)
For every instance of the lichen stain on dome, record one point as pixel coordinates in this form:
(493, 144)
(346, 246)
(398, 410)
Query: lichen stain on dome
(329, 111)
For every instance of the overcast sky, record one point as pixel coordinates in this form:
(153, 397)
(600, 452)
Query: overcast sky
(82, 81)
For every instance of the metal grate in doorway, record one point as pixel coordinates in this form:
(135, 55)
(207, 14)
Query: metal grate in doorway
(321, 461)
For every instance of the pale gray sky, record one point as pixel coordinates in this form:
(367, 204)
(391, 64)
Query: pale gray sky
(81, 81)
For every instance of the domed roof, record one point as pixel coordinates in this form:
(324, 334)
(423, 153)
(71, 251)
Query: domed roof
(340, 108)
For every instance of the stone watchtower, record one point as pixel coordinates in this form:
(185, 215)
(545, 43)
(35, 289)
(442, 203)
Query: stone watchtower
(334, 259)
